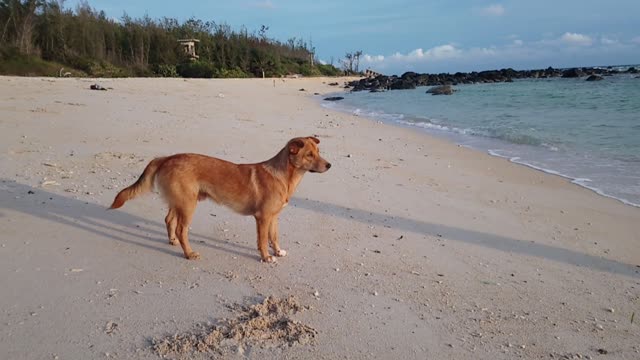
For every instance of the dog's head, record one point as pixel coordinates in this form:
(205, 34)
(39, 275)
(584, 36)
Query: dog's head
(305, 155)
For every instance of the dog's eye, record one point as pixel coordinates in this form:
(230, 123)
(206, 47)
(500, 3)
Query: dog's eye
(310, 155)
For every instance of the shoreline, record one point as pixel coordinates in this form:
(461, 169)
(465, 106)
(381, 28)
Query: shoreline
(455, 137)
(418, 247)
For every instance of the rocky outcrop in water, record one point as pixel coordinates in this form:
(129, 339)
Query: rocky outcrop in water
(411, 80)
(595, 78)
(441, 90)
(572, 73)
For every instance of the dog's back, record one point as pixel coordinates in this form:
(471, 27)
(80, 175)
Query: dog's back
(185, 177)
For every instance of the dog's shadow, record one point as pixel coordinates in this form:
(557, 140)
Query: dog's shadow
(476, 238)
(96, 219)
(139, 231)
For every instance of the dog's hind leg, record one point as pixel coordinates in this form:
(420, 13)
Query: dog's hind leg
(185, 215)
(172, 222)
(273, 238)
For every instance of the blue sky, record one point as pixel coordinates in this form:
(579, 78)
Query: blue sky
(429, 36)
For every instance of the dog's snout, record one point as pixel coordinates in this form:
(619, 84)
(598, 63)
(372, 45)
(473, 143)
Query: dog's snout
(328, 166)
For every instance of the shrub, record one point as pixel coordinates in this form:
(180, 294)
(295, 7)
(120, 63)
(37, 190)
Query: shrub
(231, 73)
(81, 63)
(308, 70)
(165, 70)
(14, 63)
(141, 71)
(196, 69)
(329, 70)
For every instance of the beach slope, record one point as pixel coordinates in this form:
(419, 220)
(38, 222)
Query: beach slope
(409, 247)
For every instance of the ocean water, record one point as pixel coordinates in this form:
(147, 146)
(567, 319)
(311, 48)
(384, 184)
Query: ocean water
(588, 132)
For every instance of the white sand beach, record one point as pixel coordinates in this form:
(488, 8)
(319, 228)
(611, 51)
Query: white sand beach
(410, 247)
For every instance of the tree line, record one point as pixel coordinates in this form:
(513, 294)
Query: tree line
(87, 40)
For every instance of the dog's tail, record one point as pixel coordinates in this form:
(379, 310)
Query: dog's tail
(142, 185)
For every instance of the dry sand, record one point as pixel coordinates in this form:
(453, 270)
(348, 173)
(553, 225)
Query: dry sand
(410, 247)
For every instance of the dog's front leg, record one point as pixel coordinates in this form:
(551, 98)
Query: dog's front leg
(263, 224)
(273, 236)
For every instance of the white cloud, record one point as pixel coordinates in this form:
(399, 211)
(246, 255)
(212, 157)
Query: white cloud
(570, 49)
(372, 59)
(575, 39)
(436, 53)
(493, 10)
(482, 52)
(265, 4)
(608, 41)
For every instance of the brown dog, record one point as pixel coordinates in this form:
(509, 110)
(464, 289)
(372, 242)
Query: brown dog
(261, 190)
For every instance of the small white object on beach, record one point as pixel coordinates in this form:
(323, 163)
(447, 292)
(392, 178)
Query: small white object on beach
(221, 95)
(49, 182)
(316, 293)
(348, 155)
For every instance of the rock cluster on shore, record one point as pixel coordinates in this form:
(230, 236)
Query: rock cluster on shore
(411, 80)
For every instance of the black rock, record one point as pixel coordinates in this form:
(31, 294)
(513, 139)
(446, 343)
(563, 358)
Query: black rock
(595, 78)
(572, 73)
(333, 84)
(402, 84)
(422, 80)
(97, 87)
(408, 75)
(441, 90)
(411, 80)
(334, 98)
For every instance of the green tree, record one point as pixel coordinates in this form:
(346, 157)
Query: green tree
(86, 39)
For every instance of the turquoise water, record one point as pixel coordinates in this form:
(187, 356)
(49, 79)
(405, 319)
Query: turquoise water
(586, 131)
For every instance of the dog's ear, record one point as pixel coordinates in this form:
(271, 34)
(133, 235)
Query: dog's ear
(295, 146)
(315, 139)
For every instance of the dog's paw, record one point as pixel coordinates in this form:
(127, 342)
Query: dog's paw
(269, 259)
(193, 256)
(281, 253)
(174, 242)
